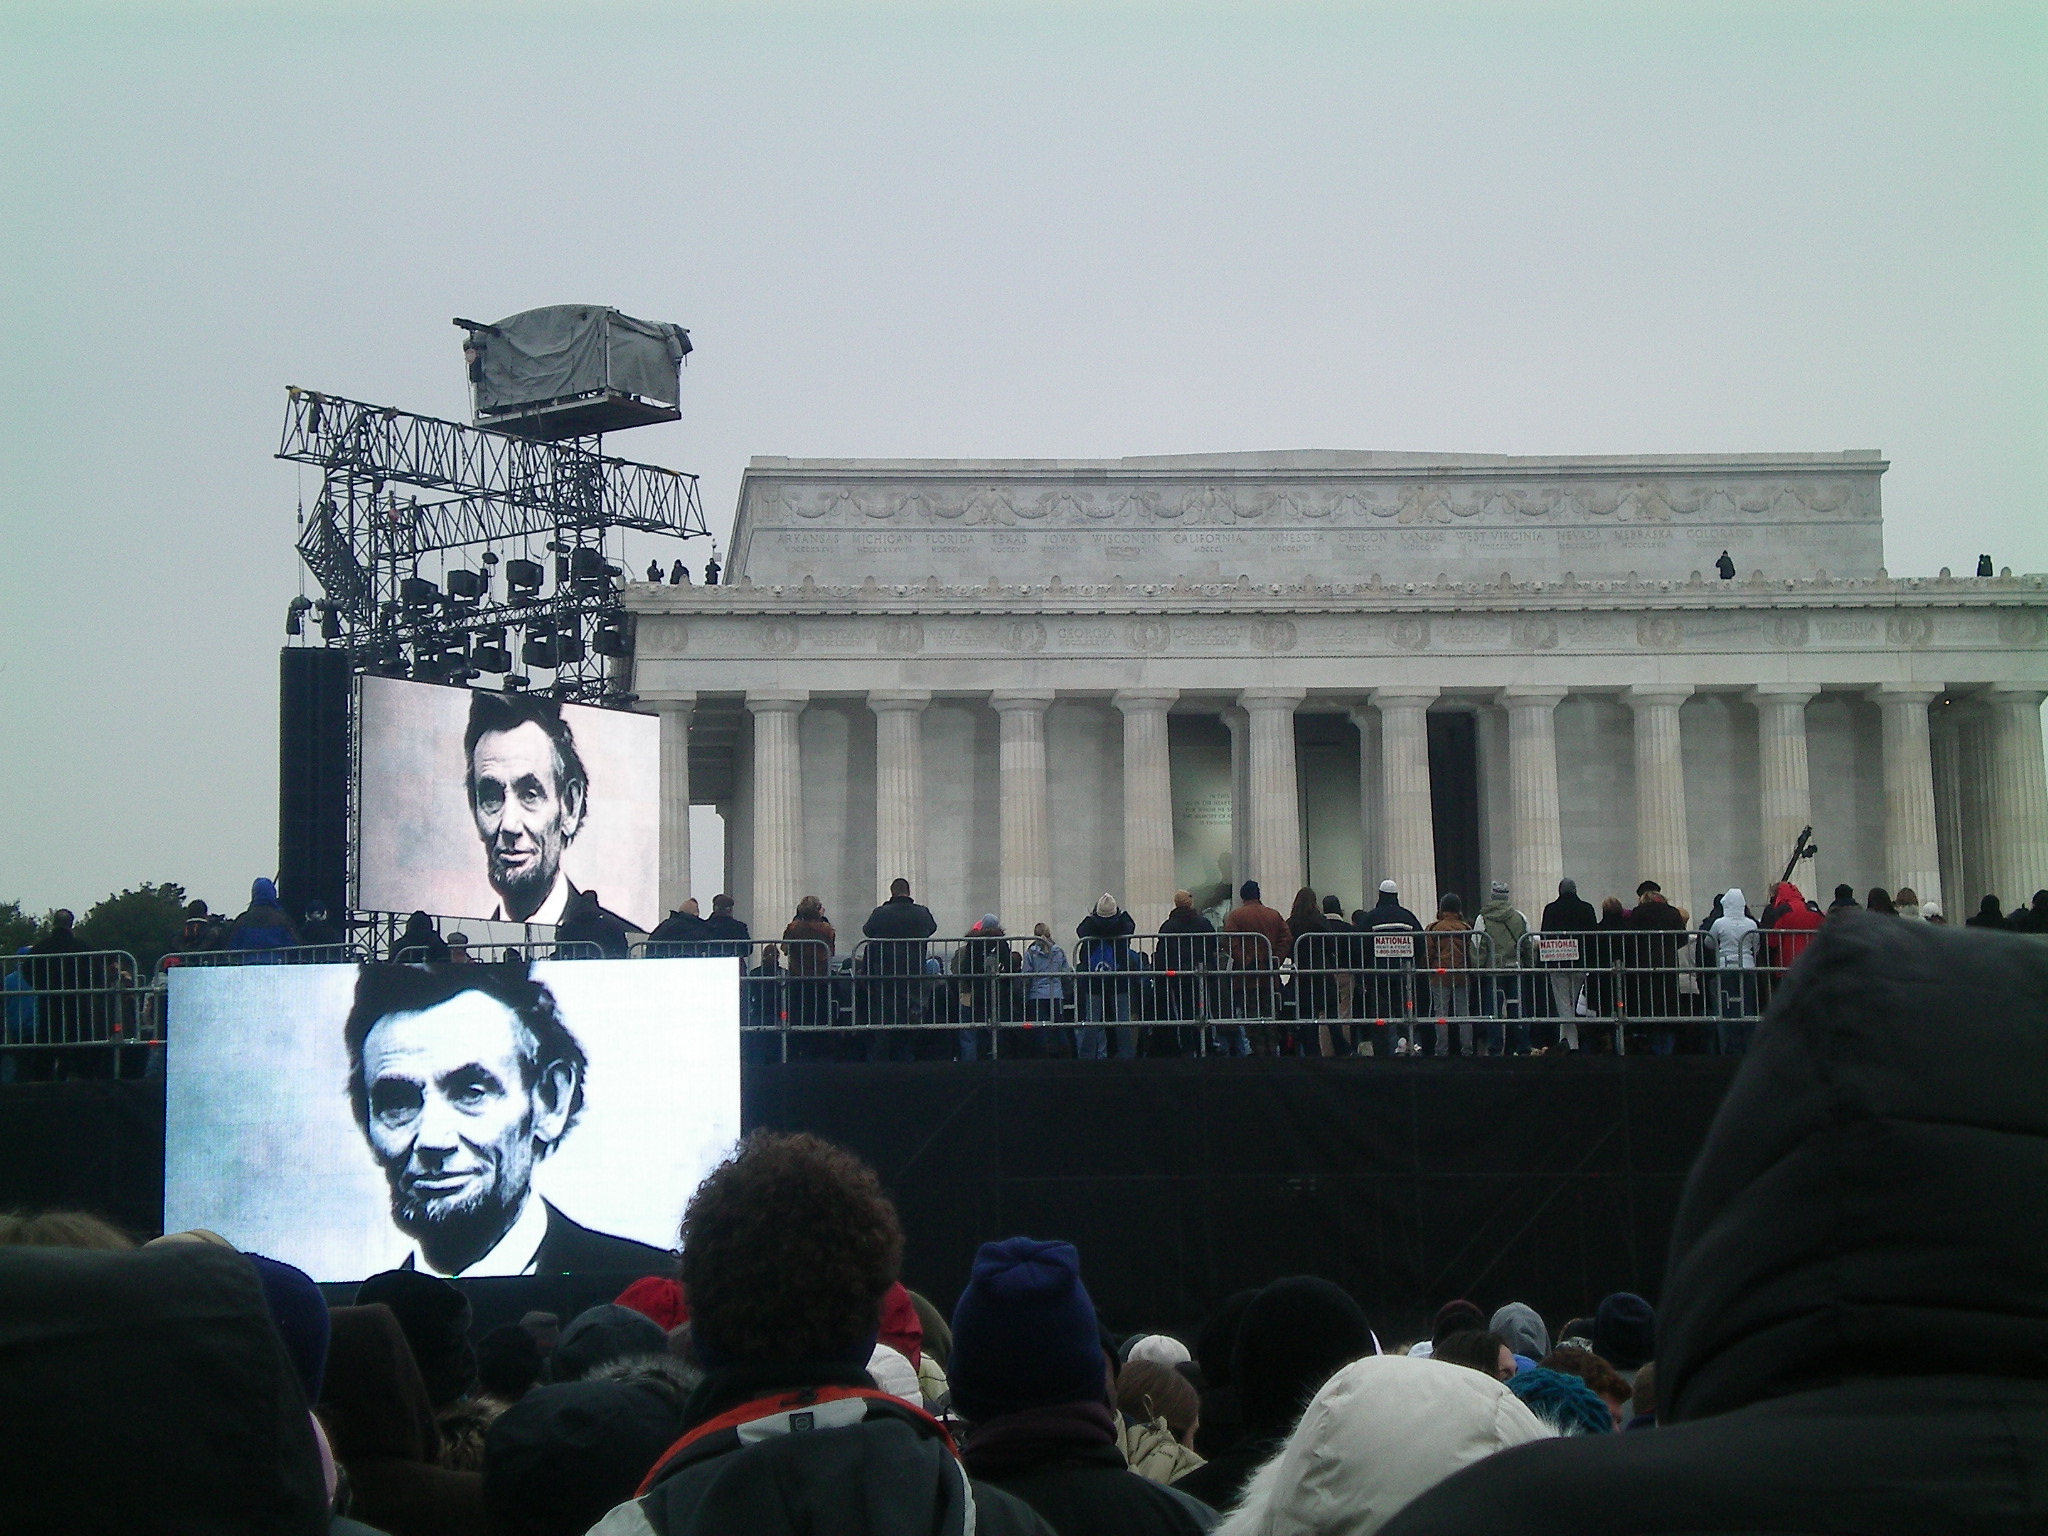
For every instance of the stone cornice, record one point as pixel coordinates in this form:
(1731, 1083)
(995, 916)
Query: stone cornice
(1248, 599)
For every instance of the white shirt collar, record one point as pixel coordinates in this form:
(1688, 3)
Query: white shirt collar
(549, 913)
(516, 1253)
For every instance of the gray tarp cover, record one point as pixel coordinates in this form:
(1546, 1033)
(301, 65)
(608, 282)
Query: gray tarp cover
(552, 353)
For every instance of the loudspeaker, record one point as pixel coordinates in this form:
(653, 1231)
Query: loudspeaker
(313, 780)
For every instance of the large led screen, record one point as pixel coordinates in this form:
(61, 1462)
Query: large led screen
(475, 1120)
(492, 805)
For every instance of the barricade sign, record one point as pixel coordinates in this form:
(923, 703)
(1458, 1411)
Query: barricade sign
(1393, 946)
(1551, 951)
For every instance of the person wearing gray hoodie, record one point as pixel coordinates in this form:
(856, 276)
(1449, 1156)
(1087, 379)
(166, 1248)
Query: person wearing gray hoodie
(1735, 937)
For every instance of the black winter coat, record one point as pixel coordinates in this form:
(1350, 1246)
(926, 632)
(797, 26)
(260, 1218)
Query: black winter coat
(1064, 1462)
(898, 921)
(1570, 914)
(1853, 1334)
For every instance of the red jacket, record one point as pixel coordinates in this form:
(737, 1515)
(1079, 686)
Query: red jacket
(1787, 938)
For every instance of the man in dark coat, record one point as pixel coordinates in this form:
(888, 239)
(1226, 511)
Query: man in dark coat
(900, 925)
(728, 935)
(789, 1249)
(1388, 997)
(1851, 1334)
(1571, 913)
(681, 933)
(1030, 1377)
(1656, 934)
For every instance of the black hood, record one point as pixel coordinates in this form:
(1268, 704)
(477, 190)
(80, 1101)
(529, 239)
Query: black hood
(149, 1392)
(1869, 1199)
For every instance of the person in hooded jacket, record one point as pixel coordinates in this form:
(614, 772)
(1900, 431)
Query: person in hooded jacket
(1988, 915)
(420, 943)
(1102, 954)
(1187, 952)
(1851, 1334)
(1030, 1377)
(789, 1247)
(1294, 1335)
(382, 1427)
(1498, 938)
(1377, 1434)
(151, 1391)
(263, 924)
(1387, 1000)
(1736, 938)
(2033, 918)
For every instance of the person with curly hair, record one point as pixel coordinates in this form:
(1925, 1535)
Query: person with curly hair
(789, 1247)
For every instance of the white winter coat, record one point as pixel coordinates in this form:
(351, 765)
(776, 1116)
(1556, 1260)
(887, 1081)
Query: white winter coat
(1381, 1432)
(1735, 934)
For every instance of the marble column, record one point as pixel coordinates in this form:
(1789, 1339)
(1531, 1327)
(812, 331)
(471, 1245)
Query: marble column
(1408, 836)
(778, 806)
(1946, 745)
(1976, 742)
(1538, 830)
(1274, 793)
(1372, 813)
(1787, 796)
(1240, 727)
(1148, 806)
(1663, 838)
(672, 869)
(899, 788)
(1912, 855)
(1024, 892)
(2019, 794)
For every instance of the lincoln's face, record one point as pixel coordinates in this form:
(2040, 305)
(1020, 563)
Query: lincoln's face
(524, 813)
(457, 1116)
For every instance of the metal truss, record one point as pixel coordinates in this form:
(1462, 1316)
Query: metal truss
(369, 528)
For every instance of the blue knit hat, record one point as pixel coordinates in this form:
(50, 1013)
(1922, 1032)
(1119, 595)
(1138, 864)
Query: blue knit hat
(1024, 1332)
(1564, 1402)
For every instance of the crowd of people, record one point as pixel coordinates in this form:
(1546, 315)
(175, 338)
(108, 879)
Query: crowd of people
(1850, 1339)
(1310, 981)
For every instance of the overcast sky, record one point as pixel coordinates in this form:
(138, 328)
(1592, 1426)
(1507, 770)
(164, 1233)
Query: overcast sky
(965, 230)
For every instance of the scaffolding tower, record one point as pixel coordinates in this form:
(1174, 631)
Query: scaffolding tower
(402, 497)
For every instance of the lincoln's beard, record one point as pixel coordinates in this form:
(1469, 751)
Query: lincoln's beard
(454, 1231)
(523, 891)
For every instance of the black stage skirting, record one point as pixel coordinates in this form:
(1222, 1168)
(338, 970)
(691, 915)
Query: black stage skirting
(1548, 1180)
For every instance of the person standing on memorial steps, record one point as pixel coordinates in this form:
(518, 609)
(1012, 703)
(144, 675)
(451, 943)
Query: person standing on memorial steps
(895, 958)
(1570, 914)
(1387, 993)
(1102, 953)
(1501, 929)
(789, 1247)
(1259, 942)
(1852, 1335)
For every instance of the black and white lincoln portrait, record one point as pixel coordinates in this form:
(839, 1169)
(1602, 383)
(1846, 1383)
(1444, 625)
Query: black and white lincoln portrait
(464, 1120)
(505, 806)
(463, 1079)
(528, 790)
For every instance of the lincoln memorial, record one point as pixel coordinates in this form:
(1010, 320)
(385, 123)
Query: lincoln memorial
(1022, 683)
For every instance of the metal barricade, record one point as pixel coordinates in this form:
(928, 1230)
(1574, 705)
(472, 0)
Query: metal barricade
(495, 954)
(73, 1010)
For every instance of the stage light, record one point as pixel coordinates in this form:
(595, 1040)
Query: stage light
(539, 650)
(417, 594)
(516, 682)
(524, 577)
(569, 644)
(295, 614)
(610, 638)
(467, 585)
(491, 653)
(330, 620)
